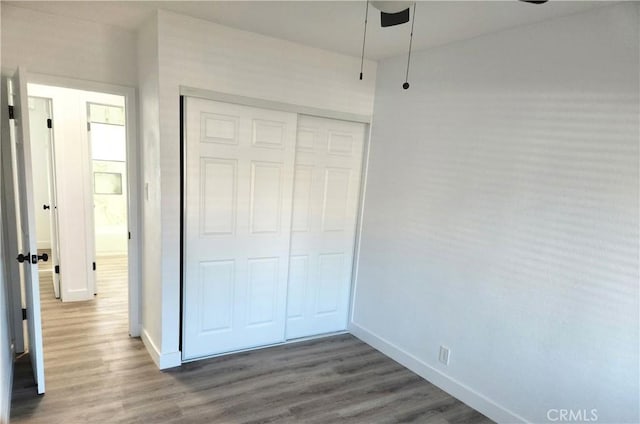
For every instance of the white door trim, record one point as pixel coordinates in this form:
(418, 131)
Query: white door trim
(186, 92)
(272, 105)
(366, 149)
(133, 179)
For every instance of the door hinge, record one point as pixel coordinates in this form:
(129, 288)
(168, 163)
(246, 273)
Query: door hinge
(49, 123)
(11, 116)
(129, 235)
(56, 269)
(24, 314)
(88, 126)
(94, 266)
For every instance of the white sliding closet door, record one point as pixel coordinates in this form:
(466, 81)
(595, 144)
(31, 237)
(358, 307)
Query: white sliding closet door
(239, 182)
(325, 205)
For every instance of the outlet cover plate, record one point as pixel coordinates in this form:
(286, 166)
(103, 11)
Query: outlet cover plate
(444, 355)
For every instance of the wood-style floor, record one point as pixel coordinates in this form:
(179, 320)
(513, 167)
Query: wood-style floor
(96, 373)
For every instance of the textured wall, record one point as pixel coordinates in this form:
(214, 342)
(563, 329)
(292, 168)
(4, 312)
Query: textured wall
(501, 217)
(56, 45)
(150, 153)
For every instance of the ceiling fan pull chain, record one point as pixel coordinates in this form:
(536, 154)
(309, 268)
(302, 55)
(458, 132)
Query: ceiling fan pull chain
(413, 21)
(364, 38)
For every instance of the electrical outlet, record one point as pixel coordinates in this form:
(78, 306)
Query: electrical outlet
(444, 355)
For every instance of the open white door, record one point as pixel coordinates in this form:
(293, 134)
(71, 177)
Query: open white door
(28, 254)
(53, 208)
(9, 216)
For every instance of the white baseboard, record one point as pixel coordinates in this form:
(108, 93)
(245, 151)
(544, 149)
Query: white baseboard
(456, 389)
(163, 361)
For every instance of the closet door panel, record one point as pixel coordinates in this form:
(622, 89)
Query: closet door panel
(239, 190)
(325, 205)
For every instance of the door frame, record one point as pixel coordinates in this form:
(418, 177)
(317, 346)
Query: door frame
(133, 180)
(185, 91)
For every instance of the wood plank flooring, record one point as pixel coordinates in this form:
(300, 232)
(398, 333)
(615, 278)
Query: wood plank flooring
(96, 373)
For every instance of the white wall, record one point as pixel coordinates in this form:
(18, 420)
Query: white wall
(501, 218)
(67, 47)
(151, 305)
(200, 54)
(40, 139)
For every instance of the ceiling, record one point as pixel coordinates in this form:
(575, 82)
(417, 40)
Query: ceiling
(330, 25)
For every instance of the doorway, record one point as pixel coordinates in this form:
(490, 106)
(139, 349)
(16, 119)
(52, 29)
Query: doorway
(66, 169)
(86, 206)
(80, 138)
(108, 156)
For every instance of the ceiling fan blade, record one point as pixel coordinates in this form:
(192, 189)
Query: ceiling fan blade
(391, 19)
(535, 1)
